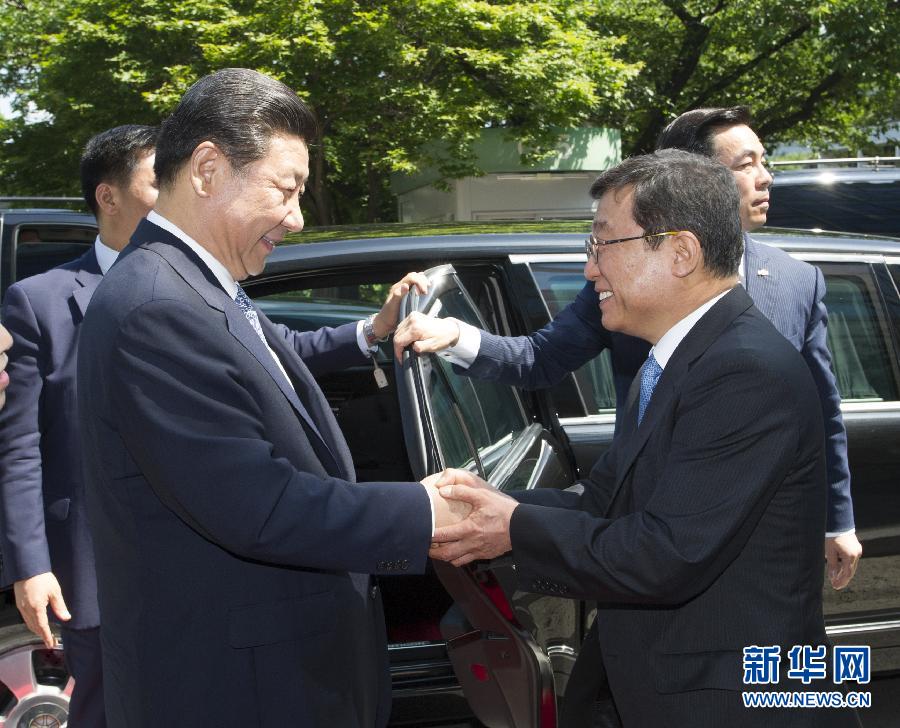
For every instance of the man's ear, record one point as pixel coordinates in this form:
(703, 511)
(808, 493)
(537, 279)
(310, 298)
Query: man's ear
(687, 253)
(206, 167)
(107, 199)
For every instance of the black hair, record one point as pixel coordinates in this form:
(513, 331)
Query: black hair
(112, 156)
(238, 110)
(677, 190)
(693, 131)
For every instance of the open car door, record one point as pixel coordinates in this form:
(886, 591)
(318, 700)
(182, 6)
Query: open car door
(505, 645)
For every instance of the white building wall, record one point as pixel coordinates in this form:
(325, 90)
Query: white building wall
(520, 196)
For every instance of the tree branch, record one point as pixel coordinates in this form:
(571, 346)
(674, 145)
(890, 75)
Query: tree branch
(806, 108)
(726, 80)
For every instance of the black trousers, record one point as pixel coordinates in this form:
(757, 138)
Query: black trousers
(83, 660)
(588, 702)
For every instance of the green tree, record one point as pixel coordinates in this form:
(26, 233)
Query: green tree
(820, 71)
(385, 80)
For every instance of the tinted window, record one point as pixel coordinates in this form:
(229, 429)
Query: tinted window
(469, 413)
(860, 207)
(559, 283)
(42, 247)
(858, 335)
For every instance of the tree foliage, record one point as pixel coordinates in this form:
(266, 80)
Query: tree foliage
(819, 71)
(385, 79)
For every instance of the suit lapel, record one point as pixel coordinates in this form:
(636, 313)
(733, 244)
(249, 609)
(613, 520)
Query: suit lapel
(312, 399)
(197, 275)
(691, 348)
(759, 280)
(87, 279)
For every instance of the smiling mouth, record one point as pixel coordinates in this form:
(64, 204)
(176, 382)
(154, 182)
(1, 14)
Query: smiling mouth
(603, 295)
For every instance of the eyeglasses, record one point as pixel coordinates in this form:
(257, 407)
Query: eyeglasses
(592, 245)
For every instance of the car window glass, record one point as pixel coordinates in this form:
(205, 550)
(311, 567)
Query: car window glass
(857, 335)
(895, 275)
(559, 284)
(491, 412)
(860, 207)
(308, 309)
(42, 247)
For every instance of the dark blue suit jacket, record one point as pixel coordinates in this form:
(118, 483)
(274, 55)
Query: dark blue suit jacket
(224, 511)
(42, 504)
(699, 532)
(787, 291)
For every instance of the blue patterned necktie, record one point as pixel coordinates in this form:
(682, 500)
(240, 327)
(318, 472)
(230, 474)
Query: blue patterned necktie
(245, 304)
(650, 374)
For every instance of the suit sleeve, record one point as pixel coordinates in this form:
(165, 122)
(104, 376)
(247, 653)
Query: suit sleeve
(190, 422)
(542, 359)
(733, 443)
(326, 349)
(818, 358)
(23, 539)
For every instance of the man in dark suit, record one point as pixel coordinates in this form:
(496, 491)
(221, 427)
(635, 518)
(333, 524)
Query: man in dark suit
(699, 531)
(45, 542)
(788, 291)
(222, 500)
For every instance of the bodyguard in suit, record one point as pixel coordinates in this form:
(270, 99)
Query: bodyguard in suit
(788, 291)
(233, 546)
(699, 531)
(45, 542)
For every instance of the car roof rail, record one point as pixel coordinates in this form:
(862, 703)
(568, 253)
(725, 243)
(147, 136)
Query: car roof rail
(8, 202)
(862, 162)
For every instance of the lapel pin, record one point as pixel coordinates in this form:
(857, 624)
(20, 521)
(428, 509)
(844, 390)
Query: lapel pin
(762, 272)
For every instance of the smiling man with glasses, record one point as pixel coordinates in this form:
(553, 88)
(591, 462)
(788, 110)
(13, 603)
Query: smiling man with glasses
(699, 531)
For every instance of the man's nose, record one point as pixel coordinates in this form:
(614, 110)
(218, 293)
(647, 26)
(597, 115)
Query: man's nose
(591, 269)
(293, 221)
(764, 177)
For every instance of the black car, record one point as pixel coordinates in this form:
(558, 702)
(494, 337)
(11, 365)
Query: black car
(466, 642)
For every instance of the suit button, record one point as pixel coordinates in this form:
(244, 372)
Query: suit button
(373, 592)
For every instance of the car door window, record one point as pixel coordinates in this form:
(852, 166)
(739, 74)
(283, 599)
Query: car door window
(42, 247)
(859, 335)
(559, 284)
(475, 421)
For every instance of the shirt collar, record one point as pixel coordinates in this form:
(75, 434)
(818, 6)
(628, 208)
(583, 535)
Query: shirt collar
(226, 280)
(106, 256)
(666, 346)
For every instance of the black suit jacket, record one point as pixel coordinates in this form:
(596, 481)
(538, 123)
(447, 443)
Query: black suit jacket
(700, 531)
(42, 503)
(224, 512)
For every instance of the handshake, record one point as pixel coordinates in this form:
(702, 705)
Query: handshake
(471, 518)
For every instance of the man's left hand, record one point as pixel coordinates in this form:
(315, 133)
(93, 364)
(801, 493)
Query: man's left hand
(842, 554)
(387, 318)
(483, 535)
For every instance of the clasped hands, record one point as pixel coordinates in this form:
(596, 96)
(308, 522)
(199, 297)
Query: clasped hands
(471, 517)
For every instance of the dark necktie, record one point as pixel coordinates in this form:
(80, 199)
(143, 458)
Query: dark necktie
(246, 305)
(650, 374)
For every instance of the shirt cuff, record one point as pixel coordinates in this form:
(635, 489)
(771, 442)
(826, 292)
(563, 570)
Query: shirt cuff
(835, 534)
(466, 348)
(361, 340)
(431, 506)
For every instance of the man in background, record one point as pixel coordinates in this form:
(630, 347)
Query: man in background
(46, 545)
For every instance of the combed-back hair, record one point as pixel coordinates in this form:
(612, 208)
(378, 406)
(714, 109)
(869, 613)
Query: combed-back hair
(238, 110)
(112, 156)
(675, 190)
(693, 131)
